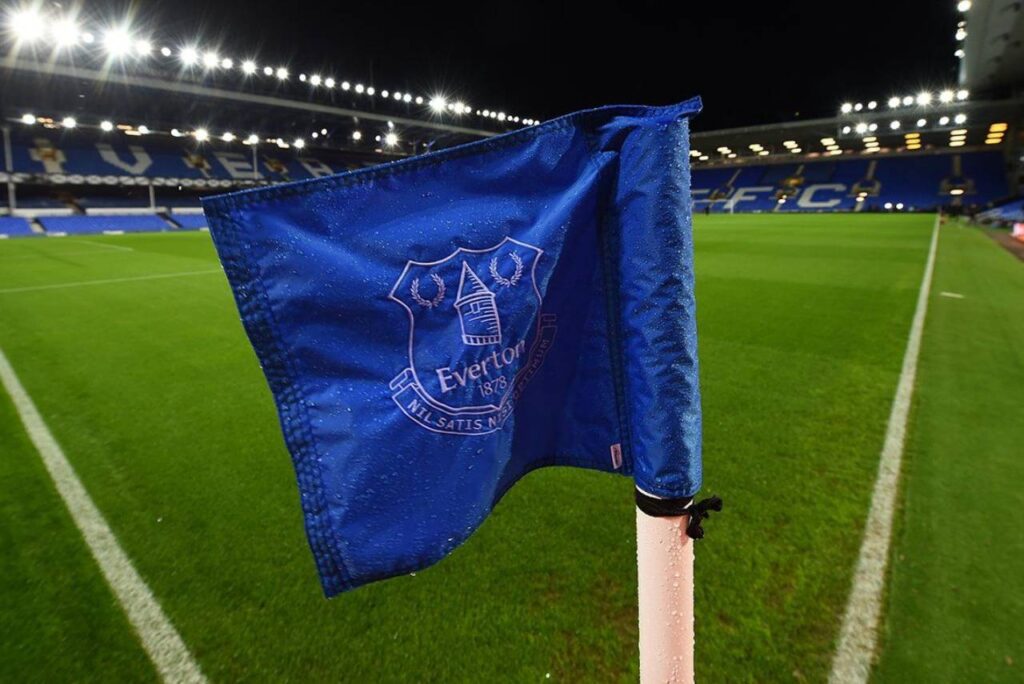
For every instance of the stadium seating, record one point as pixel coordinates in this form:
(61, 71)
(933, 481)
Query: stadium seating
(1011, 212)
(918, 182)
(100, 223)
(190, 221)
(13, 226)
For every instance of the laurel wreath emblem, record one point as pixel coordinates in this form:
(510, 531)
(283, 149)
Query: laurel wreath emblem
(507, 282)
(414, 290)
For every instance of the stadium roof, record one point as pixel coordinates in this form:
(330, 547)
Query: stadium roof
(993, 44)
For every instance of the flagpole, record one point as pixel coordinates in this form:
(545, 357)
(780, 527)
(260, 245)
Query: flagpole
(665, 587)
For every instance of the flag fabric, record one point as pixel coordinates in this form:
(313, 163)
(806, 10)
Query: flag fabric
(435, 328)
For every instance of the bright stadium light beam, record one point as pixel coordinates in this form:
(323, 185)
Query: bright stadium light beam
(143, 48)
(282, 73)
(117, 42)
(26, 25)
(211, 60)
(106, 126)
(248, 67)
(961, 95)
(28, 119)
(252, 139)
(268, 71)
(228, 136)
(68, 122)
(924, 98)
(438, 104)
(227, 63)
(201, 134)
(391, 139)
(357, 135)
(188, 56)
(894, 102)
(64, 33)
(846, 108)
(299, 143)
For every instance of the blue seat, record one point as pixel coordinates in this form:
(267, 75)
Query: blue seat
(93, 224)
(14, 226)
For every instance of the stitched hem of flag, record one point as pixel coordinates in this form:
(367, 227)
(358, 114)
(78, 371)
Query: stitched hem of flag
(248, 197)
(260, 325)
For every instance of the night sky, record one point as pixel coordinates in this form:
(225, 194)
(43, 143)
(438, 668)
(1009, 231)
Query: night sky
(752, 63)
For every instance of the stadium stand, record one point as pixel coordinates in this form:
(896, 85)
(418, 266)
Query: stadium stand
(14, 226)
(1011, 212)
(102, 223)
(916, 182)
(189, 221)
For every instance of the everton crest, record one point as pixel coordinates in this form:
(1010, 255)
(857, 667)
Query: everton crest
(477, 335)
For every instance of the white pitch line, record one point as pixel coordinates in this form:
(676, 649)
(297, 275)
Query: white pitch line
(107, 281)
(859, 634)
(158, 636)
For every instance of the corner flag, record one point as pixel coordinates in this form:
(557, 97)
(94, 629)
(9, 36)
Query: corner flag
(435, 328)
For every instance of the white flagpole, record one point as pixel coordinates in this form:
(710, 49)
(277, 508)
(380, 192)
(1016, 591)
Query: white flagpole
(665, 580)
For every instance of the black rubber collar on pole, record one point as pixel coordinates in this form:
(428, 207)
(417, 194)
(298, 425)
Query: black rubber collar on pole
(673, 508)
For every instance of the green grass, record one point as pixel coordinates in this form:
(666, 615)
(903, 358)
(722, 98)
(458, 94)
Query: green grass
(158, 401)
(957, 588)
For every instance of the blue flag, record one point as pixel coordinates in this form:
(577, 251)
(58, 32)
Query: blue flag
(435, 328)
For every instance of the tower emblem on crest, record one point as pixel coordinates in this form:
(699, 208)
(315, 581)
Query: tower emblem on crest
(470, 360)
(478, 312)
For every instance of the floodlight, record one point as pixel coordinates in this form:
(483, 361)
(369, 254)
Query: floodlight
(68, 122)
(391, 139)
(315, 80)
(252, 139)
(28, 119)
(961, 95)
(248, 67)
(437, 103)
(165, 51)
(210, 60)
(895, 125)
(924, 99)
(908, 100)
(268, 71)
(143, 130)
(960, 118)
(106, 126)
(329, 82)
(117, 41)
(143, 47)
(894, 102)
(846, 108)
(282, 73)
(27, 26)
(227, 63)
(188, 56)
(299, 143)
(64, 32)
(201, 134)
(357, 135)
(345, 85)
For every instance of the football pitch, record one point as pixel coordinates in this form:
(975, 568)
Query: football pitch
(132, 350)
